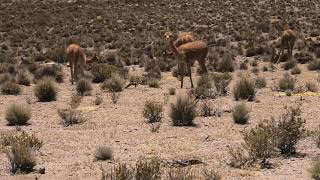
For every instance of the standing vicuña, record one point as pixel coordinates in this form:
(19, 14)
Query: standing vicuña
(187, 54)
(288, 38)
(77, 60)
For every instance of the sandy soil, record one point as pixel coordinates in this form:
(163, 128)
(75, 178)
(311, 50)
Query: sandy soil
(68, 152)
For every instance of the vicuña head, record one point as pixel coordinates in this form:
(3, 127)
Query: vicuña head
(186, 54)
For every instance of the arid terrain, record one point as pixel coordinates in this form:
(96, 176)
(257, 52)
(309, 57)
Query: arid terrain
(243, 38)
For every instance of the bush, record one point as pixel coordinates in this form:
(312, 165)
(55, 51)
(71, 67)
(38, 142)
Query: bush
(243, 66)
(119, 172)
(6, 77)
(114, 84)
(84, 87)
(244, 89)
(295, 70)
(70, 117)
(115, 97)
(148, 169)
(103, 153)
(211, 175)
(102, 72)
(52, 71)
(23, 78)
(75, 100)
(172, 91)
(290, 129)
(258, 146)
(20, 154)
(286, 83)
(180, 174)
(315, 169)
(289, 64)
(22, 138)
(45, 90)
(153, 83)
(314, 65)
(153, 111)
(10, 88)
(316, 136)
(221, 82)
(21, 159)
(261, 82)
(226, 64)
(311, 86)
(183, 111)
(240, 114)
(206, 109)
(17, 115)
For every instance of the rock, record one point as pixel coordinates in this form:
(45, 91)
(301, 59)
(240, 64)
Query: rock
(40, 169)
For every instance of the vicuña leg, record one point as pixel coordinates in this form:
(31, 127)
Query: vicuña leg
(72, 72)
(181, 72)
(190, 74)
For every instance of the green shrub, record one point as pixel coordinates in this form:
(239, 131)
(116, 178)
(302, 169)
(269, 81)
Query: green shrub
(295, 70)
(226, 64)
(21, 159)
(45, 90)
(290, 129)
(70, 117)
(52, 71)
(23, 78)
(315, 169)
(286, 83)
(289, 64)
(181, 174)
(20, 154)
(17, 115)
(119, 172)
(240, 114)
(22, 138)
(103, 153)
(260, 82)
(221, 82)
(183, 111)
(84, 87)
(114, 84)
(258, 146)
(206, 109)
(314, 65)
(148, 169)
(153, 83)
(172, 91)
(102, 72)
(153, 111)
(10, 88)
(244, 89)
(311, 86)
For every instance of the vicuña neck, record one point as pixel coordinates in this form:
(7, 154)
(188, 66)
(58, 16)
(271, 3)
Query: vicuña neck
(173, 47)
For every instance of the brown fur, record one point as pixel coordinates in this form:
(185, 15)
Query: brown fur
(77, 60)
(183, 38)
(187, 54)
(288, 39)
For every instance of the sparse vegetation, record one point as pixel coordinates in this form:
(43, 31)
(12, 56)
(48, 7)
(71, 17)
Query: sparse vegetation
(183, 111)
(311, 86)
(244, 89)
(45, 90)
(286, 83)
(295, 70)
(221, 82)
(114, 84)
(152, 111)
(102, 72)
(261, 82)
(10, 88)
(17, 115)
(84, 87)
(20, 155)
(315, 169)
(240, 114)
(148, 169)
(103, 153)
(70, 117)
(153, 83)
(172, 91)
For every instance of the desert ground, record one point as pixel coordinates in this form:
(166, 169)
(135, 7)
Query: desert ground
(238, 32)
